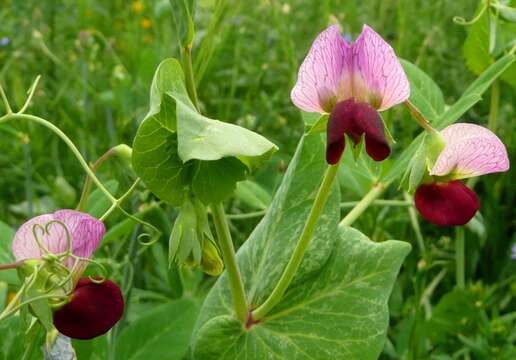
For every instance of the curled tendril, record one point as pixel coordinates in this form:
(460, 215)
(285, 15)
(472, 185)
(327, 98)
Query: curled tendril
(153, 238)
(462, 21)
(41, 246)
(47, 254)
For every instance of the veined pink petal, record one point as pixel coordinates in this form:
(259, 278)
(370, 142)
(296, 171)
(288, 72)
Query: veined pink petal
(378, 77)
(470, 150)
(86, 233)
(320, 73)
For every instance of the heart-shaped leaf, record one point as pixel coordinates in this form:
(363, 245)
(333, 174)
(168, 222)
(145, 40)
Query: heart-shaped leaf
(335, 308)
(176, 147)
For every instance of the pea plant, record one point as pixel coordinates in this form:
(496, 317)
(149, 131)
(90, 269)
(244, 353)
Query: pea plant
(305, 284)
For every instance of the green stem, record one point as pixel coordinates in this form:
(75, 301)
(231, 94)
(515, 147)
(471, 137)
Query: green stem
(189, 75)
(459, 258)
(415, 225)
(420, 119)
(493, 110)
(228, 254)
(87, 183)
(68, 142)
(302, 244)
(362, 205)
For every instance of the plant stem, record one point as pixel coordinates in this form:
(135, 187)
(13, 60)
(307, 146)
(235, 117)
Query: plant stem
(459, 258)
(362, 205)
(87, 183)
(11, 265)
(228, 254)
(493, 109)
(301, 246)
(420, 119)
(415, 225)
(189, 75)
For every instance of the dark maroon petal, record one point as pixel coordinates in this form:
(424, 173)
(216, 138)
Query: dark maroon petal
(92, 311)
(446, 204)
(369, 121)
(355, 119)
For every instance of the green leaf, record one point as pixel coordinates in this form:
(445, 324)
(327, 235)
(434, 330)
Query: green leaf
(253, 195)
(341, 313)
(473, 93)
(335, 308)
(98, 203)
(506, 12)
(455, 314)
(476, 47)
(6, 255)
(156, 161)
(216, 181)
(162, 333)
(424, 92)
(202, 138)
(173, 137)
(94, 349)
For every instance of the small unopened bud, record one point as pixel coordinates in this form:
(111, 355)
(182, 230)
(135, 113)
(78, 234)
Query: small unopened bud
(124, 153)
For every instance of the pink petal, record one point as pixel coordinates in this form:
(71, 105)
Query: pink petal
(470, 150)
(320, 73)
(378, 77)
(86, 233)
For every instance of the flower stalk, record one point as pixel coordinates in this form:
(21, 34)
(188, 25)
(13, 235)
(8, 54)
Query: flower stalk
(228, 254)
(362, 205)
(302, 244)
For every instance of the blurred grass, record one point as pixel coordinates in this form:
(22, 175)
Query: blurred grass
(97, 59)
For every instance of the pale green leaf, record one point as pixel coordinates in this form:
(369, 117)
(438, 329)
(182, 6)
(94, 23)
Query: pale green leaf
(341, 313)
(335, 308)
(253, 195)
(6, 255)
(202, 138)
(173, 137)
(162, 333)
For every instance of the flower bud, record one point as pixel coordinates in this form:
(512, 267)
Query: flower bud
(124, 153)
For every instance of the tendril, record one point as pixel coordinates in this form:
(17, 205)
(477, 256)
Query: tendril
(462, 21)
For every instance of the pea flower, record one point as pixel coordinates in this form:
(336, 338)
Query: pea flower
(352, 82)
(470, 150)
(71, 237)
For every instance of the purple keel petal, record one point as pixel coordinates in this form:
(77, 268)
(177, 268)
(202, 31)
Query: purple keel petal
(470, 150)
(355, 119)
(320, 73)
(378, 77)
(86, 233)
(93, 310)
(446, 204)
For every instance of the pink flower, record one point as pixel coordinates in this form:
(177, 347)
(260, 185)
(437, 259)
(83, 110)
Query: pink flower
(352, 82)
(470, 150)
(85, 231)
(92, 308)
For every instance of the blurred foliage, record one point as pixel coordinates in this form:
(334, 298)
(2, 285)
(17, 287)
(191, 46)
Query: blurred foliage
(97, 59)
